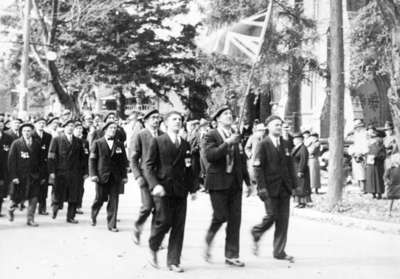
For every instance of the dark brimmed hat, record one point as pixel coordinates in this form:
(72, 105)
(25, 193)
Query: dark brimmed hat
(306, 132)
(26, 124)
(272, 118)
(68, 122)
(314, 135)
(298, 135)
(40, 119)
(219, 112)
(108, 115)
(150, 113)
(108, 124)
(51, 120)
(166, 116)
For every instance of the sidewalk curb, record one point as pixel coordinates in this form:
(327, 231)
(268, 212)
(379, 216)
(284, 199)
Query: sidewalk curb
(346, 221)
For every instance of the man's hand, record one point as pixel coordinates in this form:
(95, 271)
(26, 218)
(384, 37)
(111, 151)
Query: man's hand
(158, 191)
(300, 174)
(250, 191)
(140, 181)
(15, 181)
(94, 179)
(263, 194)
(233, 139)
(125, 180)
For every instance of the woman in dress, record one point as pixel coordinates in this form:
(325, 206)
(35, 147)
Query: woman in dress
(392, 181)
(375, 159)
(302, 191)
(313, 162)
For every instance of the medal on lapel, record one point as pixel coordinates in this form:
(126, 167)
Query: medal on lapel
(118, 150)
(43, 147)
(24, 155)
(86, 151)
(287, 151)
(6, 147)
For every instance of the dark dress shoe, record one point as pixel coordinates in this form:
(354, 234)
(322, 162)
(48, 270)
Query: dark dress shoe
(234, 262)
(136, 236)
(54, 214)
(286, 258)
(11, 215)
(43, 213)
(153, 259)
(79, 211)
(94, 222)
(32, 224)
(72, 221)
(207, 253)
(113, 229)
(22, 207)
(175, 268)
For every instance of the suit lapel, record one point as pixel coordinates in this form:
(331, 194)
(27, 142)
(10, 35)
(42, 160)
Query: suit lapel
(105, 146)
(180, 152)
(295, 149)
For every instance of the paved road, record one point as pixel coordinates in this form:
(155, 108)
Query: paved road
(60, 250)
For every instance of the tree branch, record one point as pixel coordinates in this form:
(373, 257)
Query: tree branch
(39, 60)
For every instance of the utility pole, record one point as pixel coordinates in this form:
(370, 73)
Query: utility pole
(336, 130)
(23, 102)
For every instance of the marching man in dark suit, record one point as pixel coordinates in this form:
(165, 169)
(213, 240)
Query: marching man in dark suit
(44, 140)
(66, 164)
(108, 169)
(273, 172)
(140, 150)
(224, 180)
(170, 178)
(5, 144)
(78, 132)
(24, 164)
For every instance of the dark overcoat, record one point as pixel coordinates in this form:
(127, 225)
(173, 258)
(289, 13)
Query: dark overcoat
(44, 143)
(25, 164)
(374, 171)
(67, 161)
(216, 150)
(5, 145)
(165, 165)
(300, 165)
(273, 167)
(105, 163)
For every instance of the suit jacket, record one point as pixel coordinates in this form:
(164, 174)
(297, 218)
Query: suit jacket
(273, 167)
(66, 158)
(5, 145)
(24, 162)
(44, 143)
(104, 162)
(140, 150)
(165, 165)
(215, 150)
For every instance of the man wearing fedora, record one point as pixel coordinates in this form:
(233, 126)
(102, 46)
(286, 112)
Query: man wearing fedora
(169, 174)
(24, 165)
(66, 162)
(224, 180)
(44, 140)
(108, 169)
(274, 176)
(140, 150)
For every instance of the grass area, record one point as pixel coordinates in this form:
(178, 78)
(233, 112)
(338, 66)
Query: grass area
(356, 204)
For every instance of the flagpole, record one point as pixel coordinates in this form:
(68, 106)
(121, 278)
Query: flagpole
(263, 32)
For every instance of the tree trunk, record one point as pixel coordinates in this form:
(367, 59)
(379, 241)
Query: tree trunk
(295, 73)
(336, 131)
(65, 99)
